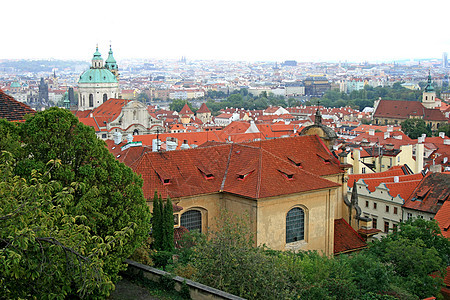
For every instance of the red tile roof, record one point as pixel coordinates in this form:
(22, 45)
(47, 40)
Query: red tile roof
(394, 171)
(13, 110)
(346, 239)
(400, 109)
(203, 109)
(430, 194)
(186, 110)
(443, 219)
(253, 170)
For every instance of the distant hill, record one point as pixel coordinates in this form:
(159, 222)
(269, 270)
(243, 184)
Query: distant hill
(42, 65)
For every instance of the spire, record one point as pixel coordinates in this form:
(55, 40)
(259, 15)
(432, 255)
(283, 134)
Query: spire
(429, 87)
(318, 116)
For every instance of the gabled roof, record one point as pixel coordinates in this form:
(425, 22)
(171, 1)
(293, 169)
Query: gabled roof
(388, 175)
(430, 194)
(186, 110)
(253, 170)
(346, 239)
(404, 187)
(203, 109)
(13, 110)
(110, 109)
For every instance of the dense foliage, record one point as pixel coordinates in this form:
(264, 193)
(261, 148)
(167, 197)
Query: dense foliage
(415, 128)
(81, 214)
(217, 100)
(397, 267)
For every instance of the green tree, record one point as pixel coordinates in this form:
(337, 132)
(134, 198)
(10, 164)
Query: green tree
(415, 128)
(143, 97)
(167, 222)
(106, 196)
(445, 129)
(157, 226)
(178, 104)
(413, 253)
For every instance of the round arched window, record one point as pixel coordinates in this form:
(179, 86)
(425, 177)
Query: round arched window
(295, 225)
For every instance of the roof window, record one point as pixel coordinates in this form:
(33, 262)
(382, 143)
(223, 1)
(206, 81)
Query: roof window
(326, 160)
(287, 174)
(295, 161)
(243, 174)
(205, 172)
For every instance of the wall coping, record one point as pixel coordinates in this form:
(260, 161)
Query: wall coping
(191, 284)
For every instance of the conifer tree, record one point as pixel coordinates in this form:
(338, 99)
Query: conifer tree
(157, 229)
(168, 243)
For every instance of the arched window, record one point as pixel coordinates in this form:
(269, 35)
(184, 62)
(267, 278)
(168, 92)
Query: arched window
(136, 132)
(105, 97)
(295, 225)
(192, 220)
(91, 100)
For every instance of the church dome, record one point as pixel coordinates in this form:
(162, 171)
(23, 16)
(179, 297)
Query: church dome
(97, 76)
(15, 84)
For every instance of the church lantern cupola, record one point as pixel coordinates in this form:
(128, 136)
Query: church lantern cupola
(97, 60)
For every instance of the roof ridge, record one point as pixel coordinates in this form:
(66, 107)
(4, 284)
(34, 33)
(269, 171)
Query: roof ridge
(226, 169)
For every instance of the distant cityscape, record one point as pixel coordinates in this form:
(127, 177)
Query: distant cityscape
(165, 80)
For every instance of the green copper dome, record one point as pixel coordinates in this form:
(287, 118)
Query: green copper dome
(97, 76)
(15, 84)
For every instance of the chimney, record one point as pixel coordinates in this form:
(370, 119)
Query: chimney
(371, 131)
(156, 144)
(396, 179)
(445, 160)
(356, 157)
(419, 157)
(117, 138)
(420, 140)
(446, 142)
(390, 129)
(442, 135)
(386, 135)
(129, 138)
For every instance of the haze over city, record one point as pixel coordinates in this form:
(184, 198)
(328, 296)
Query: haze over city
(232, 30)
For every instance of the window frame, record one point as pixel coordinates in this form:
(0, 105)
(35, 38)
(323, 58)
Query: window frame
(295, 229)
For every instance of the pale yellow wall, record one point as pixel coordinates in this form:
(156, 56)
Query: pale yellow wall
(319, 208)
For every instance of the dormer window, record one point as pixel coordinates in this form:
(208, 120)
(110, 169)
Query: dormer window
(165, 179)
(295, 161)
(243, 174)
(205, 172)
(326, 160)
(287, 174)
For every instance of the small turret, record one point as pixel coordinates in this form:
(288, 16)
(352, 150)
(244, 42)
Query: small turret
(111, 63)
(97, 60)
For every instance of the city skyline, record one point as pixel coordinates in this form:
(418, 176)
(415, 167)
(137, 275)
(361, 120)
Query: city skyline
(238, 31)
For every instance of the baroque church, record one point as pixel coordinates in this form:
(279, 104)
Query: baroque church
(99, 83)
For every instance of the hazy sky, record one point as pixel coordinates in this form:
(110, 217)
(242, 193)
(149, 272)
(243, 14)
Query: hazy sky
(323, 30)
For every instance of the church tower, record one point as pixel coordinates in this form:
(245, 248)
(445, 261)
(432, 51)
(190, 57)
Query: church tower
(98, 83)
(111, 64)
(429, 95)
